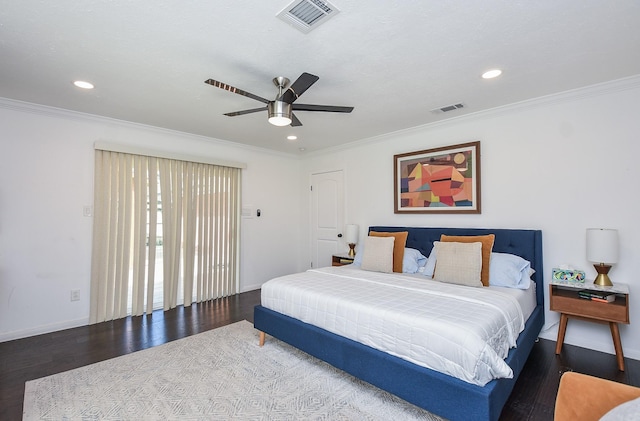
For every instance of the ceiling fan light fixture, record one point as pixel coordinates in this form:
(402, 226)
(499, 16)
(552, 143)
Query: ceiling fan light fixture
(279, 113)
(280, 121)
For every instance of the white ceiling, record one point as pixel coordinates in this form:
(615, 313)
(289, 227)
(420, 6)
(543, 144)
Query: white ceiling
(394, 61)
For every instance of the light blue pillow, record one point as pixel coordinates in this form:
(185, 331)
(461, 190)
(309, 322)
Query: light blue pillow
(357, 260)
(412, 261)
(430, 266)
(509, 270)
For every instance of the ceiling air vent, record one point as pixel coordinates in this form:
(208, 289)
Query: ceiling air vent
(307, 14)
(448, 108)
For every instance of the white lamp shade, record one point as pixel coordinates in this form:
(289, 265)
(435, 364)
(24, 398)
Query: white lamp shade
(351, 233)
(602, 245)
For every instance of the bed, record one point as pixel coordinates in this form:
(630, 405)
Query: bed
(434, 391)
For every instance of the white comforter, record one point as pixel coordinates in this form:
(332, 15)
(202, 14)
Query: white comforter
(461, 331)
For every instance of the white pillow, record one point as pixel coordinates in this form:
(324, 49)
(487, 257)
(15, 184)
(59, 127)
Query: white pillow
(509, 270)
(412, 261)
(459, 263)
(628, 411)
(377, 255)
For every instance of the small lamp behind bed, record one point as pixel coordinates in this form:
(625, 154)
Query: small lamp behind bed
(351, 237)
(602, 250)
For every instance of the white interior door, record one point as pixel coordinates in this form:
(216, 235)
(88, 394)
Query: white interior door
(327, 216)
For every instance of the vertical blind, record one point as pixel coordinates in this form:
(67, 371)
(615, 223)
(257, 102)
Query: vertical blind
(190, 210)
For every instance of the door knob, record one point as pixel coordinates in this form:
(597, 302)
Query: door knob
(339, 235)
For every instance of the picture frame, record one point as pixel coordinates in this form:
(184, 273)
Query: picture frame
(438, 180)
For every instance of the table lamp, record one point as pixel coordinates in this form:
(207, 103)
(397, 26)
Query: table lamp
(602, 251)
(351, 237)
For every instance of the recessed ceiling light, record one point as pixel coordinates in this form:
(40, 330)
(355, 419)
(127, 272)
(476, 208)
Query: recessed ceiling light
(292, 137)
(82, 84)
(491, 74)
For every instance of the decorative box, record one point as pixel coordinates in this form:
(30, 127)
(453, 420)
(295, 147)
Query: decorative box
(569, 275)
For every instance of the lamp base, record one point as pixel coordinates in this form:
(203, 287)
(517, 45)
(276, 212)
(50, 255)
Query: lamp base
(352, 249)
(603, 278)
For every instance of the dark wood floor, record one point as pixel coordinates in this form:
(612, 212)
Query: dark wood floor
(31, 358)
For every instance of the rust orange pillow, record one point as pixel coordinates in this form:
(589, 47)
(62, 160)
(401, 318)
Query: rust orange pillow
(398, 246)
(487, 247)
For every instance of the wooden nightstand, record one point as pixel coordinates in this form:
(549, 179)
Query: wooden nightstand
(341, 259)
(565, 300)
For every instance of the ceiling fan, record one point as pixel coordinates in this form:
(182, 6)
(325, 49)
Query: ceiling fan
(281, 109)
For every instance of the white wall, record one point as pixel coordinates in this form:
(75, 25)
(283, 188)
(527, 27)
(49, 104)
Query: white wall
(46, 178)
(560, 164)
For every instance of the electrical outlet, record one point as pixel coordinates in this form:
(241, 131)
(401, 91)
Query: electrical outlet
(87, 211)
(75, 295)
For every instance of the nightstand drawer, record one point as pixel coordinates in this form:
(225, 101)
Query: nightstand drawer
(567, 301)
(341, 259)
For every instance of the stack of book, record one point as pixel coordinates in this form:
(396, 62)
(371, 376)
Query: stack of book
(600, 296)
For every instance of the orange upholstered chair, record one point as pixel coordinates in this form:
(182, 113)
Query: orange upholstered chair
(582, 397)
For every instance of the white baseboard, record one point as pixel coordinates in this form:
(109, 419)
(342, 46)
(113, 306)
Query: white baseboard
(551, 333)
(251, 287)
(39, 330)
(19, 334)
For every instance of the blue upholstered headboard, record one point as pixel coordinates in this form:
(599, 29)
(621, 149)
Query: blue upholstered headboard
(524, 243)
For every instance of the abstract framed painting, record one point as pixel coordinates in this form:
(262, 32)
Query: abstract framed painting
(439, 180)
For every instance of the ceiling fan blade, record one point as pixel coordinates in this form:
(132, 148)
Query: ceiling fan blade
(253, 110)
(294, 121)
(325, 108)
(235, 90)
(298, 87)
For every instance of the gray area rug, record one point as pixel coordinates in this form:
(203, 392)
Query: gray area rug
(216, 375)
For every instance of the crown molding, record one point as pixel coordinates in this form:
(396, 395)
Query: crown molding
(61, 113)
(605, 88)
(618, 85)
